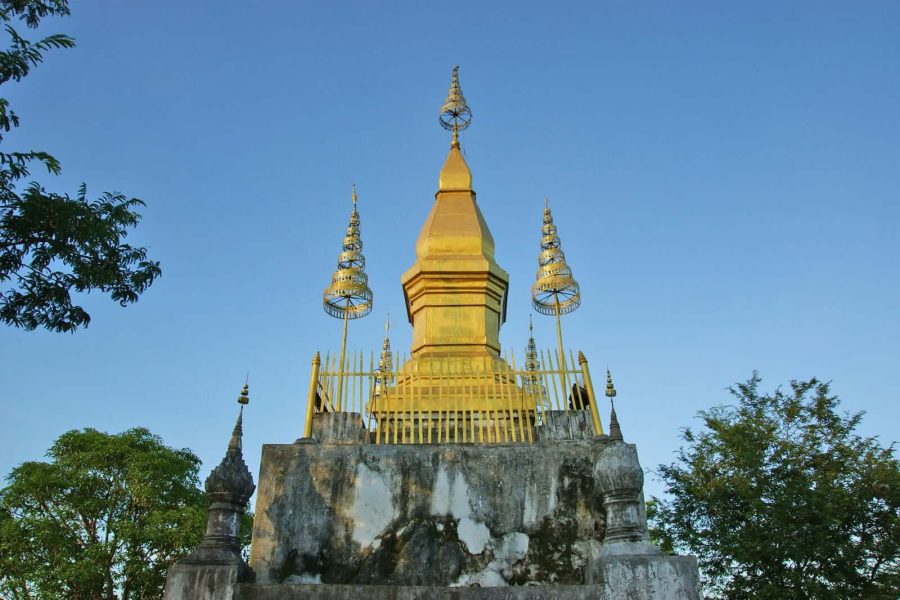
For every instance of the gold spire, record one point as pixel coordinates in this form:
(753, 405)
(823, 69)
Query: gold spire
(386, 360)
(244, 398)
(455, 291)
(532, 382)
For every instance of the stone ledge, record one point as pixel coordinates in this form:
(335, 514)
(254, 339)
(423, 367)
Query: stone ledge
(382, 592)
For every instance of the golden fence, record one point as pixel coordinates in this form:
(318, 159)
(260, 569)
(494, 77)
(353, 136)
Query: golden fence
(447, 400)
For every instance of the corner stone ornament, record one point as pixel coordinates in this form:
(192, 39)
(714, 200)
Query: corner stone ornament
(211, 571)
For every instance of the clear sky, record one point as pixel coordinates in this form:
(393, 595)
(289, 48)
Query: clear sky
(724, 176)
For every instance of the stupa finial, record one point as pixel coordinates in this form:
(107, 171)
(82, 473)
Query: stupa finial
(455, 113)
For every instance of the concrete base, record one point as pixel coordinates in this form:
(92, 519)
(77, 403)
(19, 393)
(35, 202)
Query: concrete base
(655, 577)
(188, 581)
(410, 515)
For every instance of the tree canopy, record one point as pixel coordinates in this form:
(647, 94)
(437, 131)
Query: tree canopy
(103, 519)
(779, 497)
(52, 245)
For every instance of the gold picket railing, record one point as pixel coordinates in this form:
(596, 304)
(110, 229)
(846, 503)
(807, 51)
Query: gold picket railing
(450, 400)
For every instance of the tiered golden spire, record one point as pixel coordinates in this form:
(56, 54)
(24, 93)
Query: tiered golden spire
(348, 296)
(555, 291)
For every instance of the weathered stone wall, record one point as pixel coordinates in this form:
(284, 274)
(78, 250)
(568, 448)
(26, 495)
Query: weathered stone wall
(428, 515)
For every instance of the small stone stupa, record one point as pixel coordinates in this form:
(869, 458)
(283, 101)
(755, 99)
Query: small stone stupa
(450, 472)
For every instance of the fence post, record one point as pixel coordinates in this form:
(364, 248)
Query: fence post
(311, 399)
(595, 415)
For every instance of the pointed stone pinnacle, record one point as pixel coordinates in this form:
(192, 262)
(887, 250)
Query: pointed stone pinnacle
(235, 444)
(231, 481)
(615, 431)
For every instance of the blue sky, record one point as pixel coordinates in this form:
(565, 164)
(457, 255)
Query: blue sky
(724, 178)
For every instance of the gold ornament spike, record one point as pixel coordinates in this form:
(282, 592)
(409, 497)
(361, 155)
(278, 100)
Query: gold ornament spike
(531, 382)
(244, 398)
(455, 113)
(348, 296)
(386, 359)
(555, 291)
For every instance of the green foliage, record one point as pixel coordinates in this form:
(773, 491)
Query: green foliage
(50, 244)
(780, 498)
(103, 519)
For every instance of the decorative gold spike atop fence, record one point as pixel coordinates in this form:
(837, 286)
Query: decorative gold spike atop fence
(532, 382)
(386, 361)
(348, 296)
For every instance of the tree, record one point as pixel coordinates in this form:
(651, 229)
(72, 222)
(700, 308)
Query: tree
(50, 244)
(780, 498)
(103, 520)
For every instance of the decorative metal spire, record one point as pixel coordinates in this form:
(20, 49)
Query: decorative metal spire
(386, 360)
(348, 296)
(455, 113)
(555, 291)
(615, 431)
(532, 382)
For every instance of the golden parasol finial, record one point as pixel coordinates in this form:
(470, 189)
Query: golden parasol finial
(348, 296)
(555, 291)
(455, 113)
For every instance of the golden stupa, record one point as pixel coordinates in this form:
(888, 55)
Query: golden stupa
(454, 386)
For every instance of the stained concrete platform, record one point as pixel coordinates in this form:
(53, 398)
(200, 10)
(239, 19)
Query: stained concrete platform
(562, 518)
